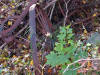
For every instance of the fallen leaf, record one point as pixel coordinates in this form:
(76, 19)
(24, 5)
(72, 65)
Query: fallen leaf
(9, 23)
(31, 62)
(84, 1)
(95, 14)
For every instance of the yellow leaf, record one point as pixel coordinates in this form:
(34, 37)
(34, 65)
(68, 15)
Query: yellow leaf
(28, 37)
(4, 64)
(31, 63)
(13, 6)
(24, 46)
(13, 1)
(85, 31)
(14, 56)
(89, 64)
(95, 14)
(9, 23)
(13, 11)
(4, 6)
(89, 50)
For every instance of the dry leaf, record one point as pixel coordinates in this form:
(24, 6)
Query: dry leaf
(49, 70)
(89, 64)
(28, 37)
(9, 23)
(14, 56)
(84, 1)
(31, 62)
(85, 32)
(95, 14)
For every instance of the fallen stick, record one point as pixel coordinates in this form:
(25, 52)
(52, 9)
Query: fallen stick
(32, 24)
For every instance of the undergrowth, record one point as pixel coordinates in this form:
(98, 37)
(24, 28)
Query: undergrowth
(66, 51)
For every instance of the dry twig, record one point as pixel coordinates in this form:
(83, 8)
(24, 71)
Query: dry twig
(67, 68)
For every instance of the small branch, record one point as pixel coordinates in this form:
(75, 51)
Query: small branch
(62, 11)
(2, 45)
(45, 20)
(86, 19)
(66, 11)
(52, 10)
(67, 68)
(49, 4)
(16, 35)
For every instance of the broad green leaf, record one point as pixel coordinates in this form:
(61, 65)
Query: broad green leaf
(68, 26)
(69, 31)
(59, 47)
(63, 30)
(51, 59)
(62, 59)
(61, 37)
(69, 72)
(66, 48)
(71, 42)
(70, 36)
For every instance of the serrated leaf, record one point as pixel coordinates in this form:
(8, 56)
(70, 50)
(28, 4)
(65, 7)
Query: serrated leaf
(65, 45)
(69, 31)
(53, 59)
(63, 30)
(68, 26)
(61, 37)
(70, 36)
(59, 47)
(71, 42)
